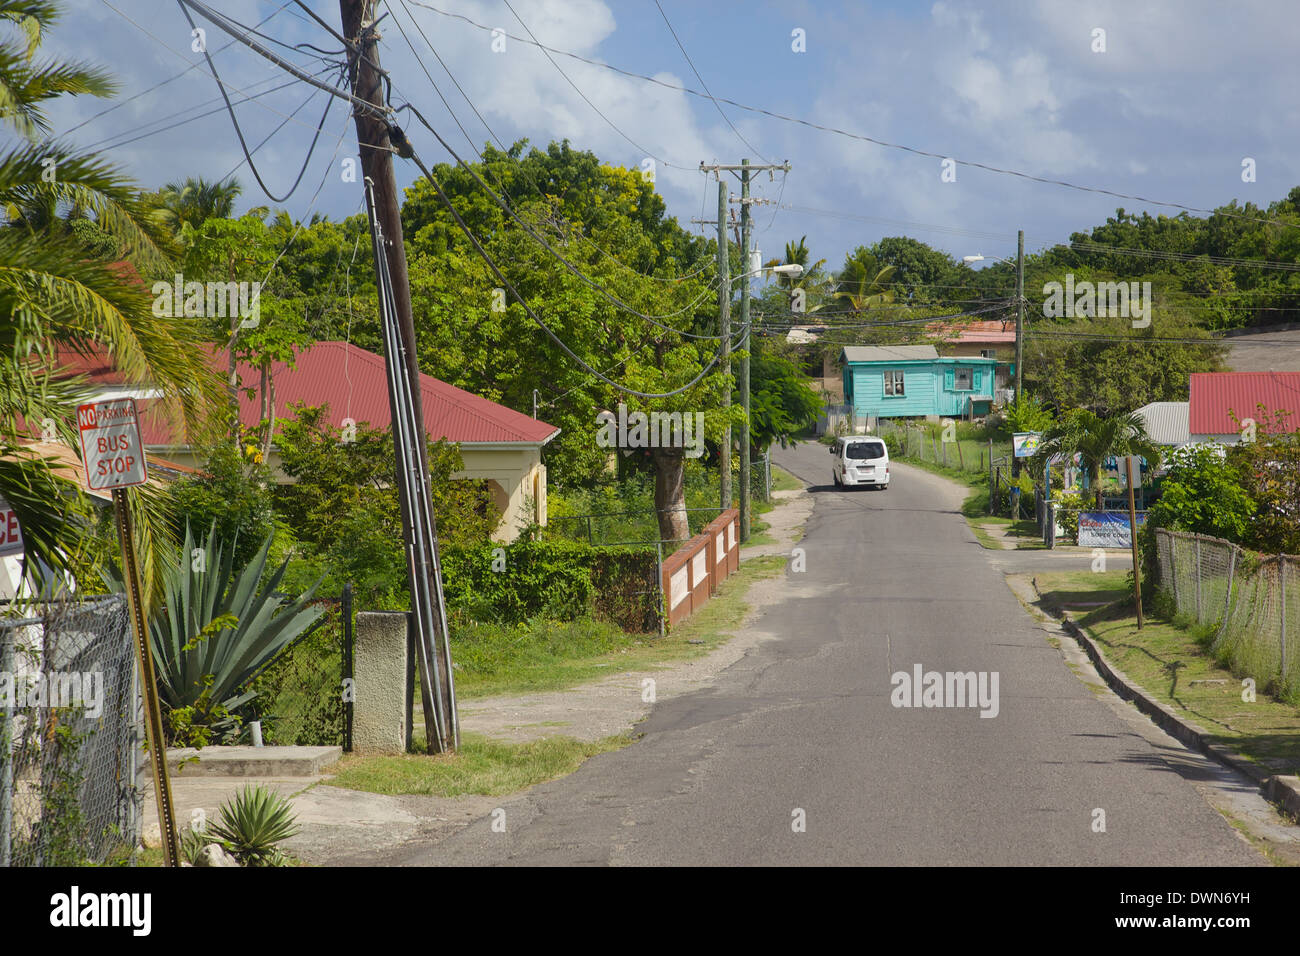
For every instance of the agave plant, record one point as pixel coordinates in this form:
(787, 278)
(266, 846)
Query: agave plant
(203, 660)
(252, 823)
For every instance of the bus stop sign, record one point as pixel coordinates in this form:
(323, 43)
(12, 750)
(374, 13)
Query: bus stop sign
(110, 444)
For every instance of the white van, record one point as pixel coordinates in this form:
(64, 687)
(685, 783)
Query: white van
(860, 460)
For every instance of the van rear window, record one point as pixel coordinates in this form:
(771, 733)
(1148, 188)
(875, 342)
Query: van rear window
(865, 450)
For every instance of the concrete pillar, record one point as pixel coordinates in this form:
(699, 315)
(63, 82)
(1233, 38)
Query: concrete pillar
(379, 668)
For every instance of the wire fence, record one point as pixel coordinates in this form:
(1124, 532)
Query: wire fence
(71, 733)
(962, 454)
(301, 695)
(1253, 600)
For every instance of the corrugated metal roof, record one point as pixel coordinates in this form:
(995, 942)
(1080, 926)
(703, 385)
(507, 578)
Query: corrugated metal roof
(986, 331)
(354, 384)
(1216, 395)
(889, 353)
(1166, 422)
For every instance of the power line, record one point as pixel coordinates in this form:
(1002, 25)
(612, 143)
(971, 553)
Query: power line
(189, 117)
(546, 52)
(500, 276)
(162, 83)
(855, 136)
(748, 145)
(541, 240)
(248, 157)
(501, 144)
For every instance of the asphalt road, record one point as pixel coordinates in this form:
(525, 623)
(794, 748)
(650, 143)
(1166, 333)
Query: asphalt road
(804, 727)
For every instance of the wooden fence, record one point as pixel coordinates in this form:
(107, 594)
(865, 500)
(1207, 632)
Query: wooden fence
(695, 570)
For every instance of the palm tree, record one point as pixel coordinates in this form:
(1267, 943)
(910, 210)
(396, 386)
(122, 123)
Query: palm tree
(195, 201)
(811, 280)
(863, 281)
(54, 298)
(1095, 438)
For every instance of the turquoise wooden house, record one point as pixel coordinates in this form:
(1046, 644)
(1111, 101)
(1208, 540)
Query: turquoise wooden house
(914, 381)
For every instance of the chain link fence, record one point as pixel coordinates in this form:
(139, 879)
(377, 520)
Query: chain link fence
(302, 697)
(1253, 600)
(964, 454)
(71, 735)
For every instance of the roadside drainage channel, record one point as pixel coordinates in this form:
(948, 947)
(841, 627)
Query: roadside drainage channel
(1282, 790)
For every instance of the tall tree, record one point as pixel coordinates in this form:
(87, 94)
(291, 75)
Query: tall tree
(195, 201)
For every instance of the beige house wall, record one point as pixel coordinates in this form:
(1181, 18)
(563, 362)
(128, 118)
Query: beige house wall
(515, 471)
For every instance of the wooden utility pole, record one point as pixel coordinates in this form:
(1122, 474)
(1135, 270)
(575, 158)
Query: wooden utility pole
(724, 311)
(420, 532)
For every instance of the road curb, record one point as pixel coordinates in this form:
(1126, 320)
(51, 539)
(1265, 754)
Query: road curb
(1281, 790)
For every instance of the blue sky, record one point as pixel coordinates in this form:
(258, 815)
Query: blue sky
(1183, 93)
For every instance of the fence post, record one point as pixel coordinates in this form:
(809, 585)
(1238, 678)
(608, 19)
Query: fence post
(6, 753)
(1227, 600)
(1198, 580)
(347, 667)
(659, 586)
(1173, 572)
(1281, 570)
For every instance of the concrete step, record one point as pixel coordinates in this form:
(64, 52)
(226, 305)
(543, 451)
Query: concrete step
(250, 761)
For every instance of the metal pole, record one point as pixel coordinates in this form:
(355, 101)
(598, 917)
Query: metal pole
(1198, 580)
(419, 526)
(1133, 541)
(744, 344)
(1020, 312)
(153, 724)
(347, 665)
(1281, 564)
(724, 319)
(6, 753)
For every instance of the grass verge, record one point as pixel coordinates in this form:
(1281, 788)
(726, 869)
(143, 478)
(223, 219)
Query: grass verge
(482, 766)
(1173, 664)
(547, 655)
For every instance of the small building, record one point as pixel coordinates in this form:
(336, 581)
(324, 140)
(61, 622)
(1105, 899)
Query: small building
(986, 338)
(1166, 423)
(1223, 405)
(498, 445)
(914, 381)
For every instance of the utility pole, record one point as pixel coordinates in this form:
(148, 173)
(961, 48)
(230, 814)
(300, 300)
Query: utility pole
(428, 610)
(724, 313)
(1020, 311)
(742, 383)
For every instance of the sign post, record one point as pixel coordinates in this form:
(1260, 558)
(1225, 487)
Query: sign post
(1133, 538)
(114, 458)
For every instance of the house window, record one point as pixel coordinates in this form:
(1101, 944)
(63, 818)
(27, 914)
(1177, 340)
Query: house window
(894, 382)
(988, 353)
(962, 380)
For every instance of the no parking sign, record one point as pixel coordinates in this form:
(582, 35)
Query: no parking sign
(110, 444)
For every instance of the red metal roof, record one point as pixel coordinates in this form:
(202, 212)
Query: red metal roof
(987, 331)
(353, 383)
(1214, 395)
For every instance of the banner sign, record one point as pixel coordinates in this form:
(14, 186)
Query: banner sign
(1106, 529)
(1025, 444)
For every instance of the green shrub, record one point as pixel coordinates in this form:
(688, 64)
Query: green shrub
(252, 823)
(561, 580)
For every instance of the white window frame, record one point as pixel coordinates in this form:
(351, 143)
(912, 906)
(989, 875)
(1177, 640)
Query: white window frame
(970, 378)
(894, 387)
